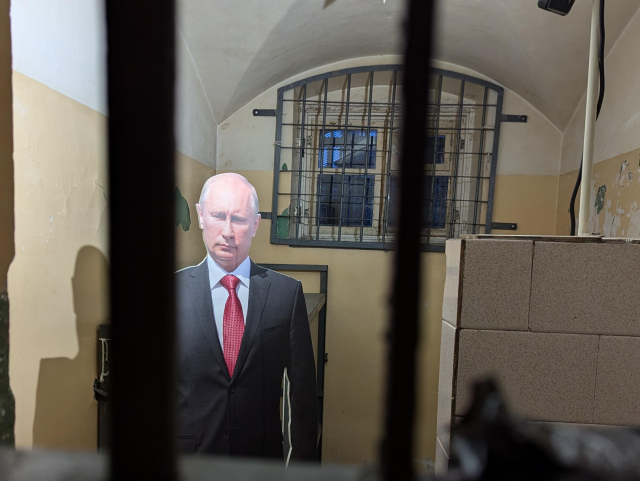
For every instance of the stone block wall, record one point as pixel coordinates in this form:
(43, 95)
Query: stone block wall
(556, 320)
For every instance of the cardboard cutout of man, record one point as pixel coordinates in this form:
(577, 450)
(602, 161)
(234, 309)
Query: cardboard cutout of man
(239, 327)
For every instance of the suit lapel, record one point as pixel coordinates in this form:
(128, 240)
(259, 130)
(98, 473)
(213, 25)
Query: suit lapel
(203, 305)
(258, 292)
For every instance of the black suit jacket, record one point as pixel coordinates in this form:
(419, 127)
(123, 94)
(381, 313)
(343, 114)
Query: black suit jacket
(240, 415)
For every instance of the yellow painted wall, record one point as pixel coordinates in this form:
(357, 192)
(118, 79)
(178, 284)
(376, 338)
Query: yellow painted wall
(58, 280)
(359, 280)
(529, 200)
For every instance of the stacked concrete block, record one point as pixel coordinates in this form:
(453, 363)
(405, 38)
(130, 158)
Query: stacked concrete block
(556, 320)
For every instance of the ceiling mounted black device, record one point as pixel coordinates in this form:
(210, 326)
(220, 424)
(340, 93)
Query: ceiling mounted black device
(561, 7)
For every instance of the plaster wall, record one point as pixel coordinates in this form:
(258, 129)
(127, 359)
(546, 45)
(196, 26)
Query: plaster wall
(357, 305)
(59, 277)
(617, 140)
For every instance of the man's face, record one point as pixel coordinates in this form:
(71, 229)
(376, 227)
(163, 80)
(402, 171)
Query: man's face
(228, 222)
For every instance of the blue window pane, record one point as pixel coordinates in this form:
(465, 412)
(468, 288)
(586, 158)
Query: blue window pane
(352, 149)
(357, 199)
(433, 150)
(438, 202)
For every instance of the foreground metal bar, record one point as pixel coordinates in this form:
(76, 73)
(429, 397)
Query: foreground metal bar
(397, 447)
(141, 71)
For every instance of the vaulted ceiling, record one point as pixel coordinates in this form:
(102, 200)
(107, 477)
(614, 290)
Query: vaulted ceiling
(241, 48)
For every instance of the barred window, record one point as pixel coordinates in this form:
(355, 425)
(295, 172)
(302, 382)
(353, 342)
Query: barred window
(336, 158)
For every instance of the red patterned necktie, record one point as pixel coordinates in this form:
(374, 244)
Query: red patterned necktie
(233, 323)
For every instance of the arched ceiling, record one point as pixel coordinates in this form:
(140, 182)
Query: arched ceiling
(243, 48)
(239, 49)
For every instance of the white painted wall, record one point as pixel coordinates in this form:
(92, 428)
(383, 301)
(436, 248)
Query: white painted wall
(196, 130)
(62, 44)
(618, 127)
(246, 142)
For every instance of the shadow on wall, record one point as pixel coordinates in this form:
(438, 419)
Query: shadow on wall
(66, 414)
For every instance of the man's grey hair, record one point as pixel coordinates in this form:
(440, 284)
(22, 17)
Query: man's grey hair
(254, 195)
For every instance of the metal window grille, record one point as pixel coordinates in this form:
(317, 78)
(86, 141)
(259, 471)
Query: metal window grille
(336, 158)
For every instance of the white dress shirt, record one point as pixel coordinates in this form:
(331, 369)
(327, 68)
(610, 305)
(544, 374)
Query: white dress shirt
(219, 293)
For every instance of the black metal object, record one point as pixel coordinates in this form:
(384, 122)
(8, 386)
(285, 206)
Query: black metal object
(141, 73)
(265, 215)
(102, 386)
(308, 222)
(264, 112)
(514, 118)
(397, 445)
(491, 443)
(321, 355)
(504, 225)
(561, 7)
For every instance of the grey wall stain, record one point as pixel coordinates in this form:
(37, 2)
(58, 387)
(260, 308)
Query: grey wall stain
(183, 217)
(7, 401)
(599, 203)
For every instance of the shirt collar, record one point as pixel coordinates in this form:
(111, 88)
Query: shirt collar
(216, 273)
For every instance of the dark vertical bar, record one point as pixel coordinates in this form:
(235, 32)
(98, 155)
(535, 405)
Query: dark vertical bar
(479, 171)
(322, 334)
(344, 154)
(141, 73)
(366, 157)
(397, 447)
(324, 128)
(432, 184)
(302, 146)
(494, 164)
(454, 178)
(388, 167)
(276, 167)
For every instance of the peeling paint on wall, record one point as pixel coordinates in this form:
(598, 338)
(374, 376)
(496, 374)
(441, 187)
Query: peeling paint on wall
(599, 204)
(183, 217)
(614, 211)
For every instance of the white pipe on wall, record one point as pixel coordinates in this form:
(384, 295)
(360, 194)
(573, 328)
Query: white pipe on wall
(589, 123)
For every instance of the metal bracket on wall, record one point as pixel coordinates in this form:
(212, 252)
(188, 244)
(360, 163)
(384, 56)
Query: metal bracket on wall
(514, 118)
(264, 113)
(504, 226)
(265, 215)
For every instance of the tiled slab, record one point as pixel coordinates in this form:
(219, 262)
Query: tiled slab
(585, 288)
(496, 284)
(453, 252)
(445, 384)
(545, 377)
(618, 381)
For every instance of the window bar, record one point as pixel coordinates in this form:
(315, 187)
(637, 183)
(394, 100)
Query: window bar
(435, 158)
(366, 158)
(302, 146)
(344, 155)
(386, 193)
(141, 125)
(324, 130)
(403, 334)
(484, 119)
(454, 177)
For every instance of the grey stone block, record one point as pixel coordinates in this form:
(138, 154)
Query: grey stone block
(545, 377)
(496, 282)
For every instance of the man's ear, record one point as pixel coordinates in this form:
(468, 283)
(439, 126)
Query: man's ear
(199, 210)
(256, 224)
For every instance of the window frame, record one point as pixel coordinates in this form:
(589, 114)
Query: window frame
(328, 242)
